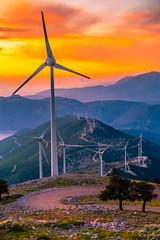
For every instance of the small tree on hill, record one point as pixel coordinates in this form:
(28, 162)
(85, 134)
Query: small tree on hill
(3, 187)
(142, 191)
(118, 188)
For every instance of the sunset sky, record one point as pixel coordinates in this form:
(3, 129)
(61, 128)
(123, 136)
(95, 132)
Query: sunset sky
(103, 39)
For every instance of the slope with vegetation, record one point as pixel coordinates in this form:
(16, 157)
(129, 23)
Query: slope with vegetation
(23, 152)
(90, 222)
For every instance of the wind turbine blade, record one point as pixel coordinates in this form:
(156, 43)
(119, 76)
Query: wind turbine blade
(128, 156)
(106, 148)
(127, 143)
(90, 146)
(74, 145)
(46, 142)
(135, 139)
(49, 51)
(42, 135)
(134, 146)
(58, 150)
(37, 71)
(91, 150)
(119, 149)
(44, 154)
(25, 137)
(60, 137)
(69, 70)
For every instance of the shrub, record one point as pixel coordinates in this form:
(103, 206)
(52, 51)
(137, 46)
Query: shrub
(43, 236)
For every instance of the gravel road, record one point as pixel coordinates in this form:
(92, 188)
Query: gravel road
(50, 198)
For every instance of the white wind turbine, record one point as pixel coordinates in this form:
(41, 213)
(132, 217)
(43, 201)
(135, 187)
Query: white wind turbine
(51, 62)
(41, 150)
(125, 154)
(64, 146)
(140, 147)
(100, 153)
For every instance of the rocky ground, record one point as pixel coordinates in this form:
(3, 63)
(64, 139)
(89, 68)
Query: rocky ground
(57, 213)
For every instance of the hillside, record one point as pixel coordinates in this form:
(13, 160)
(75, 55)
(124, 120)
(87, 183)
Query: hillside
(23, 152)
(143, 88)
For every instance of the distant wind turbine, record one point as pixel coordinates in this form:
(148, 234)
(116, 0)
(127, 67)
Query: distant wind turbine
(140, 147)
(125, 154)
(64, 146)
(51, 62)
(100, 153)
(41, 150)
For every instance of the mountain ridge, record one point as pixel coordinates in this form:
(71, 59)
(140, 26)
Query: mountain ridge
(143, 87)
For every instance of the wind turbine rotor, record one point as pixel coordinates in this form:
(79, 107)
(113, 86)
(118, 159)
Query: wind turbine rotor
(35, 73)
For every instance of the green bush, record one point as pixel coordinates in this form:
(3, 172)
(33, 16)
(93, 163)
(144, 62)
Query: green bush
(150, 232)
(12, 226)
(43, 236)
(68, 223)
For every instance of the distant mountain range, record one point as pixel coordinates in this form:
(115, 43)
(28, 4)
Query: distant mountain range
(23, 153)
(140, 88)
(17, 113)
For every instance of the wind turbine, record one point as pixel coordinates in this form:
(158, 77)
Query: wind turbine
(125, 154)
(100, 153)
(41, 150)
(140, 147)
(51, 62)
(64, 146)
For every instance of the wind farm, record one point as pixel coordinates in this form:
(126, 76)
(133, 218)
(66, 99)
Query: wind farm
(79, 149)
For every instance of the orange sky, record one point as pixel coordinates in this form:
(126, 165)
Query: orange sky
(105, 40)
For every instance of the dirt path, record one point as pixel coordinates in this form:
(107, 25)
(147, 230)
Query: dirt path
(50, 198)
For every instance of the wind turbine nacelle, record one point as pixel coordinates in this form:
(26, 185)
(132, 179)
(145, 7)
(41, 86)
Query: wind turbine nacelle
(50, 61)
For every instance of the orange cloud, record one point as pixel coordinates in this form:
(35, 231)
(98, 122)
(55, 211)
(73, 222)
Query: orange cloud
(61, 19)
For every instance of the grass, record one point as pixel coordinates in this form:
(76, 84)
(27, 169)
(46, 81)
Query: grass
(10, 198)
(62, 181)
(95, 199)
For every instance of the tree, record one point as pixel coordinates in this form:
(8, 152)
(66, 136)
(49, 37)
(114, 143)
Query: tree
(156, 180)
(142, 191)
(118, 188)
(3, 187)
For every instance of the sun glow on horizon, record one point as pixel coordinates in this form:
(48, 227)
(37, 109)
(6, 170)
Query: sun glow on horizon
(99, 44)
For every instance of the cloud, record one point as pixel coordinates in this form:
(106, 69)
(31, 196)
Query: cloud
(4, 37)
(9, 29)
(147, 20)
(61, 19)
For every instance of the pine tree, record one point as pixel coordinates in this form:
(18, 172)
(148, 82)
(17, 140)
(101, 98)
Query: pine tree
(118, 188)
(3, 187)
(142, 191)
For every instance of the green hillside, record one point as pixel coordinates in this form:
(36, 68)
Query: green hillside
(23, 152)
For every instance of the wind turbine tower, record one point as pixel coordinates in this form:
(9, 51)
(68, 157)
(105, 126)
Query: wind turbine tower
(64, 146)
(51, 62)
(140, 151)
(141, 140)
(125, 155)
